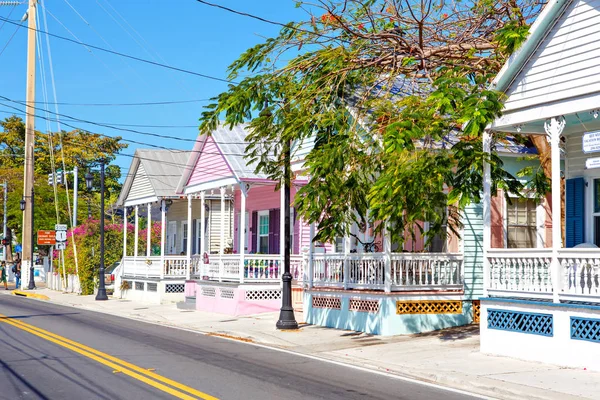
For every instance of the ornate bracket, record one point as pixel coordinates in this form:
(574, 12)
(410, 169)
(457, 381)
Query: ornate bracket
(554, 127)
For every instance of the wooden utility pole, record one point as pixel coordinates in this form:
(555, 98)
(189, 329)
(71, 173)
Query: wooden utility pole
(27, 256)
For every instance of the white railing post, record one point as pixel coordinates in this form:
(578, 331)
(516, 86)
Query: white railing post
(188, 258)
(387, 263)
(347, 244)
(222, 244)
(554, 128)
(487, 218)
(136, 233)
(163, 217)
(124, 234)
(202, 229)
(282, 231)
(242, 227)
(311, 252)
(149, 230)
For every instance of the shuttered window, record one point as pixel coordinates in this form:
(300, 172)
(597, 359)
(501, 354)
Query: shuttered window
(575, 206)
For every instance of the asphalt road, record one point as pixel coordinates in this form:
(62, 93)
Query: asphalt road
(35, 363)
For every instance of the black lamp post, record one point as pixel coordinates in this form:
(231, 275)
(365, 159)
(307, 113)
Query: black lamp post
(89, 181)
(22, 205)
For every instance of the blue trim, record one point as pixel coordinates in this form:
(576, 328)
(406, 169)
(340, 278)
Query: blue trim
(522, 322)
(592, 326)
(549, 303)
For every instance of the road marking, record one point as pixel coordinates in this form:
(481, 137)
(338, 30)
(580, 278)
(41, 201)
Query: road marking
(114, 363)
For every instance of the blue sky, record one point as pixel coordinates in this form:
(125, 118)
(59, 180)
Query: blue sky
(185, 33)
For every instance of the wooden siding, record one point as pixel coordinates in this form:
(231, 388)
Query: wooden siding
(141, 186)
(211, 165)
(473, 250)
(575, 160)
(566, 63)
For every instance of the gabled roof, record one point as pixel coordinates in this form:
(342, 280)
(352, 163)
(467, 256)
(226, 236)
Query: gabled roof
(156, 172)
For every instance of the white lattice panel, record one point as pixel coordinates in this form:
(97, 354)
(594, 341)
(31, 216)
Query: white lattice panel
(263, 294)
(361, 305)
(327, 302)
(208, 291)
(226, 293)
(152, 287)
(174, 288)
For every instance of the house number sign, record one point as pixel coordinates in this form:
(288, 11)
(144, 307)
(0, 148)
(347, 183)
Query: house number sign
(591, 142)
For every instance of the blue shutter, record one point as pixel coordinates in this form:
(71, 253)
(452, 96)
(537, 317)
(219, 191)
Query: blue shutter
(575, 210)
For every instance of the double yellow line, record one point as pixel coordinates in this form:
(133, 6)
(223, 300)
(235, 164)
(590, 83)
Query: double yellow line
(148, 377)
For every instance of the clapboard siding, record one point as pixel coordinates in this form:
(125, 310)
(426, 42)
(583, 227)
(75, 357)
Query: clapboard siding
(473, 250)
(575, 157)
(141, 186)
(211, 165)
(214, 225)
(566, 62)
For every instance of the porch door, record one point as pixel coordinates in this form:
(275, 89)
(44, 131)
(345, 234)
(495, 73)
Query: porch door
(198, 236)
(171, 238)
(247, 233)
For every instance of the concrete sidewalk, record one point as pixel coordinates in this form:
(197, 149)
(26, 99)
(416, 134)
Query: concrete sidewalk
(450, 357)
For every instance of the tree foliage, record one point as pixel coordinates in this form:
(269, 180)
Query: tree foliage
(396, 95)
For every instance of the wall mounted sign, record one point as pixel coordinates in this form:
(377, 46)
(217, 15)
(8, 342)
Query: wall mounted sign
(592, 163)
(591, 142)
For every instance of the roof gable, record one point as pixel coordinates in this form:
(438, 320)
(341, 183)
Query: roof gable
(211, 165)
(141, 186)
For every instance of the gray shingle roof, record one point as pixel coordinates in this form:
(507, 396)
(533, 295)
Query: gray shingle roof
(164, 168)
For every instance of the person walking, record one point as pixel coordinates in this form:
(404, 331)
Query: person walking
(17, 271)
(3, 275)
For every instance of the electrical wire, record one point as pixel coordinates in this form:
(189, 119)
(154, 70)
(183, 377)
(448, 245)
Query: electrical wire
(11, 38)
(155, 103)
(117, 53)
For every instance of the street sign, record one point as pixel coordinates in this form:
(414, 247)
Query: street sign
(591, 142)
(61, 236)
(61, 246)
(60, 227)
(46, 238)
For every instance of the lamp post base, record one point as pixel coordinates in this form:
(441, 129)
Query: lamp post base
(287, 320)
(101, 295)
(31, 285)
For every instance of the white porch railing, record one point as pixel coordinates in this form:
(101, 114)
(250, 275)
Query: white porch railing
(408, 271)
(528, 273)
(150, 267)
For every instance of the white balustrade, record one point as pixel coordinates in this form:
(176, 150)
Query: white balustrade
(366, 271)
(520, 271)
(142, 266)
(328, 269)
(433, 271)
(175, 266)
(580, 273)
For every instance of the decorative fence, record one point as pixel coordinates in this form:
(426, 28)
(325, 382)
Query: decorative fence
(405, 271)
(529, 273)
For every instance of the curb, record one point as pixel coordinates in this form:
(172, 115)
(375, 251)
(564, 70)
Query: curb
(30, 295)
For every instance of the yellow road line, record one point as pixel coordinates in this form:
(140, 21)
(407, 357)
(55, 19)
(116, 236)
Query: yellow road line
(115, 363)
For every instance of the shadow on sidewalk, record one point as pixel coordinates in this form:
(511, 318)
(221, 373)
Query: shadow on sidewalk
(454, 333)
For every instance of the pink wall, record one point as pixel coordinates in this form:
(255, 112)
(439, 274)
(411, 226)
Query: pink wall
(211, 165)
(261, 198)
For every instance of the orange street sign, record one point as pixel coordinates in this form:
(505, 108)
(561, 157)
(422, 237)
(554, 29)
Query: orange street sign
(46, 238)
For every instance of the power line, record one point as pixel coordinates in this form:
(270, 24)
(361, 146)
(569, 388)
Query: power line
(143, 60)
(11, 38)
(150, 103)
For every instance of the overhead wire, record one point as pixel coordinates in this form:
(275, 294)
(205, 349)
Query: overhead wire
(11, 38)
(8, 16)
(150, 103)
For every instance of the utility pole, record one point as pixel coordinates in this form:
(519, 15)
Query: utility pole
(4, 231)
(27, 260)
(75, 183)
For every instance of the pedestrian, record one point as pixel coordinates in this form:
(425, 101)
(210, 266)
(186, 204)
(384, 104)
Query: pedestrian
(17, 271)
(3, 275)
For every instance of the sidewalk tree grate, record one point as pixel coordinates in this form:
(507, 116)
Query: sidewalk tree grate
(361, 305)
(226, 293)
(139, 286)
(208, 291)
(429, 307)
(476, 311)
(523, 322)
(264, 294)
(174, 288)
(152, 287)
(334, 303)
(585, 329)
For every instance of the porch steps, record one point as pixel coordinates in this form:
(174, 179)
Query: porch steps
(188, 304)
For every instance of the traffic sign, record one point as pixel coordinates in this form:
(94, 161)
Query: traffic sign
(46, 238)
(61, 236)
(60, 227)
(61, 246)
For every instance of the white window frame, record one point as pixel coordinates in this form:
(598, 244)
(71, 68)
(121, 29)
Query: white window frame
(184, 237)
(540, 220)
(258, 235)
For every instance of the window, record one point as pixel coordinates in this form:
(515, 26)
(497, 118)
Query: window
(521, 227)
(339, 245)
(263, 232)
(185, 237)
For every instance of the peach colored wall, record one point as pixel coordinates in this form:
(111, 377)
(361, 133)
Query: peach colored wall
(497, 220)
(548, 220)
(211, 165)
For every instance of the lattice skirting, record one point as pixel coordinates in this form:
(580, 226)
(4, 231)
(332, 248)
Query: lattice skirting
(429, 307)
(476, 306)
(361, 305)
(334, 303)
(263, 294)
(139, 286)
(523, 322)
(174, 288)
(226, 293)
(585, 329)
(208, 291)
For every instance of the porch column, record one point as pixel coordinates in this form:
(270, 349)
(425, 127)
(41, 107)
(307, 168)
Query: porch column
(387, 264)
(282, 231)
(163, 217)
(487, 216)
(189, 239)
(242, 228)
(202, 224)
(222, 244)
(149, 233)
(135, 244)
(124, 233)
(347, 244)
(311, 252)
(554, 128)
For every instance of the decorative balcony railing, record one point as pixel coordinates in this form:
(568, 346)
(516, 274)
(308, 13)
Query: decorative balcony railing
(529, 273)
(405, 271)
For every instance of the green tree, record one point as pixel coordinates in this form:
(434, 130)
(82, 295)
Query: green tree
(395, 93)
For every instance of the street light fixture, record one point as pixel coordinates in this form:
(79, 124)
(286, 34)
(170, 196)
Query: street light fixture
(89, 183)
(22, 205)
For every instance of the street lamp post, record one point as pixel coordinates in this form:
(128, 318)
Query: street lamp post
(22, 205)
(89, 181)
